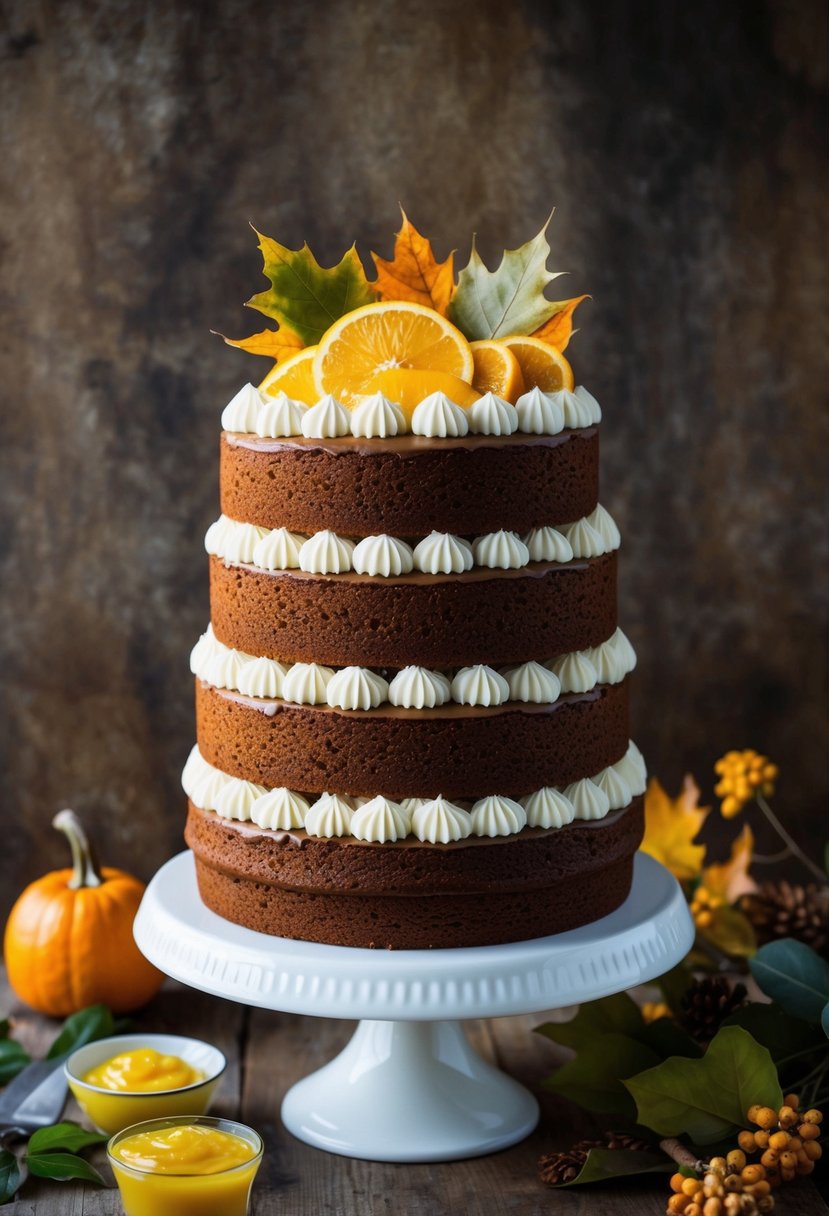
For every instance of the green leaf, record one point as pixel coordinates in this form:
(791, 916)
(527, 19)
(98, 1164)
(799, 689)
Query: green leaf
(9, 1175)
(782, 1033)
(62, 1167)
(305, 296)
(5, 1027)
(593, 1078)
(85, 1026)
(602, 1164)
(618, 1013)
(69, 1136)
(669, 1039)
(509, 300)
(13, 1059)
(707, 1098)
(731, 932)
(795, 976)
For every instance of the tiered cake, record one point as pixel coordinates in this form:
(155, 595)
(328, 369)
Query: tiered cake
(412, 699)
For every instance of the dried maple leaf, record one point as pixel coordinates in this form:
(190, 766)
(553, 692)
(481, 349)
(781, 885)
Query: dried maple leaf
(671, 825)
(559, 329)
(414, 273)
(507, 300)
(731, 878)
(277, 344)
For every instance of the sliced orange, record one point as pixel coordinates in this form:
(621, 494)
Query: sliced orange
(383, 337)
(542, 366)
(496, 370)
(294, 376)
(407, 387)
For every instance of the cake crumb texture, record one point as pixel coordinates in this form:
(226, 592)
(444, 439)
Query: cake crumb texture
(462, 490)
(410, 897)
(485, 616)
(414, 754)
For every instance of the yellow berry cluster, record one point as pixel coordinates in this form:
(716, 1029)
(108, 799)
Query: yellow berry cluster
(729, 1187)
(704, 904)
(787, 1141)
(743, 775)
(653, 1010)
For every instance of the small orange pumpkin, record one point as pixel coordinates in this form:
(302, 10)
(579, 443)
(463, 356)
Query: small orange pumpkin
(68, 940)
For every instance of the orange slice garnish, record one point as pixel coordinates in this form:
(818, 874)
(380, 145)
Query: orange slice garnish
(407, 387)
(496, 370)
(294, 376)
(542, 365)
(391, 335)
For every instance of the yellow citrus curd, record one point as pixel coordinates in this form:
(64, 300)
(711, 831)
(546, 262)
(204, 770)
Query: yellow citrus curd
(188, 1149)
(143, 1071)
(185, 1169)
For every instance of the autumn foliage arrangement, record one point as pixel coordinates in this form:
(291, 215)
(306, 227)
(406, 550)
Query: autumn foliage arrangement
(413, 328)
(727, 1088)
(733, 912)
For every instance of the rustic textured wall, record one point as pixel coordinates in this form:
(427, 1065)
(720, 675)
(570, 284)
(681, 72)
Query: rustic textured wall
(685, 147)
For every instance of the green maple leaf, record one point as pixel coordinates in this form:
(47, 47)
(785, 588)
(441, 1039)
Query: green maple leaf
(305, 296)
(707, 1098)
(603, 1164)
(509, 300)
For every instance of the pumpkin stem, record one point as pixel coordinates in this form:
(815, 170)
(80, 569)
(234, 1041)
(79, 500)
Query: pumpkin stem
(84, 865)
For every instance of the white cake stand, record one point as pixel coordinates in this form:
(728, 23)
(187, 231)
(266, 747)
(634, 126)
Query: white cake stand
(408, 1086)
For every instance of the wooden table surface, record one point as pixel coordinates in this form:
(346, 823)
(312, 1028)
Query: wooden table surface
(267, 1052)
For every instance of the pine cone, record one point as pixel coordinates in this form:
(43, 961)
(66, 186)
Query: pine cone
(622, 1140)
(558, 1168)
(619, 1141)
(707, 1004)
(782, 909)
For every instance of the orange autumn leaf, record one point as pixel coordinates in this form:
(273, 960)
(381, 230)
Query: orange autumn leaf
(671, 824)
(731, 878)
(559, 329)
(414, 274)
(277, 344)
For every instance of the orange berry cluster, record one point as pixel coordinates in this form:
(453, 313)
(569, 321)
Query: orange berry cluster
(653, 1010)
(743, 775)
(703, 906)
(729, 1187)
(787, 1141)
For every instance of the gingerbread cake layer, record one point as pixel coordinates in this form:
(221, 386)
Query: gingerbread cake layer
(409, 895)
(484, 616)
(409, 486)
(457, 750)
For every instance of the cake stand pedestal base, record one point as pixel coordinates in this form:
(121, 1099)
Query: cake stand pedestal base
(409, 1091)
(408, 1086)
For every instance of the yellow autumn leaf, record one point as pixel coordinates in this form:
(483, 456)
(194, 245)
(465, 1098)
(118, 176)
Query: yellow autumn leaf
(731, 932)
(559, 329)
(414, 274)
(731, 878)
(671, 824)
(277, 344)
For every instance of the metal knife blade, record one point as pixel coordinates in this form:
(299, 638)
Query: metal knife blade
(26, 1087)
(46, 1101)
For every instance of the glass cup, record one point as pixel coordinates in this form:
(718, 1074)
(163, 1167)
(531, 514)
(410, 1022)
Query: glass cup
(145, 1192)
